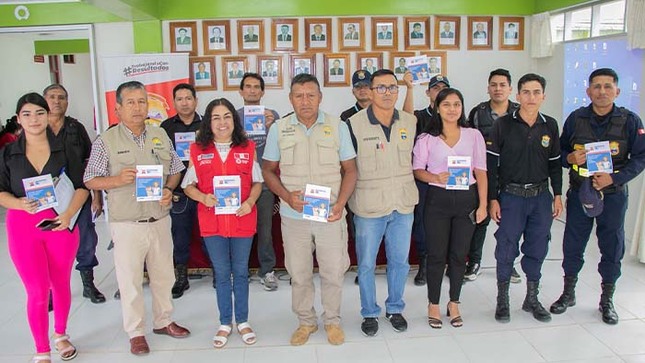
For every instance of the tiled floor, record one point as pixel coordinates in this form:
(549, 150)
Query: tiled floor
(577, 336)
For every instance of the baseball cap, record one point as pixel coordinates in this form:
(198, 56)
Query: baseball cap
(361, 77)
(438, 79)
(590, 198)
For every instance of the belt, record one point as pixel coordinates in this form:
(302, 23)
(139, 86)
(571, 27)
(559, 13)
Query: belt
(526, 190)
(147, 220)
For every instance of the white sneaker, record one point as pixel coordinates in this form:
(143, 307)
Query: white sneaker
(269, 281)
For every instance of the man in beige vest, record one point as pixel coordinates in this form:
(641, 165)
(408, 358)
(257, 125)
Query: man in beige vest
(140, 230)
(384, 199)
(312, 147)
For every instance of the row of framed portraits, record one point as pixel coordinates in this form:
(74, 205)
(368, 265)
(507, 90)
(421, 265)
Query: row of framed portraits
(350, 32)
(337, 67)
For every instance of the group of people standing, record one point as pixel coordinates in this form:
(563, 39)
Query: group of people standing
(389, 168)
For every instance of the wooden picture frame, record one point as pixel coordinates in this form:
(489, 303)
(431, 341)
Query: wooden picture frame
(369, 61)
(417, 33)
(250, 36)
(183, 37)
(480, 32)
(511, 33)
(202, 73)
(337, 69)
(441, 58)
(270, 68)
(302, 63)
(395, 64)
(216, 36)
(284, 35)
(233, 69)
(318, 34)
(384, 34)
(351, 34)
(446, 32)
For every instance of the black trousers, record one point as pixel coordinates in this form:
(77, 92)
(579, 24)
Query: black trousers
(448, 233)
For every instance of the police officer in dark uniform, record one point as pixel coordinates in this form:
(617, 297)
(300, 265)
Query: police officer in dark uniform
(523, 155)
(184, 210)
(600, 121)
(361, 81)
(482, 117)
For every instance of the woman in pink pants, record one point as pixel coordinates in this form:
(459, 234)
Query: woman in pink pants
(43, 258)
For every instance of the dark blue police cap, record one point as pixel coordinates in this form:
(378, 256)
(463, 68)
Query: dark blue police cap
(590, 198)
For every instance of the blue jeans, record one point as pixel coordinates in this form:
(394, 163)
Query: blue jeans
(230, 255)
(396, 228)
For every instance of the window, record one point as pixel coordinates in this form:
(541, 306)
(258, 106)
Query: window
(557, 27)
(598, 19)
(579, 25)
(611, 18)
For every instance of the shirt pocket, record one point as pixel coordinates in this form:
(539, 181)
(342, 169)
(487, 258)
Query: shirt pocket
(405, 154)
(327, 152)
(366, 158)
(287, 152)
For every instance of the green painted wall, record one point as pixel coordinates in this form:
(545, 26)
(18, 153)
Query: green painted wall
(56, 14)
(147, 36)
(67, 46)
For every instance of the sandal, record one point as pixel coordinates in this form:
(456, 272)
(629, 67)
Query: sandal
(42, 357)
(67, 353)
(435, 323)
(249, 338)
(456, 321)
(219, 341)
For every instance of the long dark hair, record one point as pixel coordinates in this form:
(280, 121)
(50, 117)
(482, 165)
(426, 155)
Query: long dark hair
(205, 136)
(33, 98)
(435, 126)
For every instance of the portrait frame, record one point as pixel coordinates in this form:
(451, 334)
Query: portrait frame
(364, 56)
(341, 80)
(487, 24)
(385, 43)
(175, 28)
(207, 25)
(443, 61)
(244, 46)
(269, 81)
(282, 45)
(199, 85)
(441, 42)
(347, 44)
(416, 43)
(233, 83)
(294, 63)
(506, 43)
(394, 59)
(318, 46)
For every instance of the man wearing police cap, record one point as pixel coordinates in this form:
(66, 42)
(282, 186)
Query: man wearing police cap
(623, 129)
(361, 90)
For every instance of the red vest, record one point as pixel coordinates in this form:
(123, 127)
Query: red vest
(208, 164)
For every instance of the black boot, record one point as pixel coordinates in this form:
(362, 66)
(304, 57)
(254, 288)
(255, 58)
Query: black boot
(531, 303)
(568, 297)
(89, 290)
(606, 307)
(420, 278)
(503, 310)
(181, 281)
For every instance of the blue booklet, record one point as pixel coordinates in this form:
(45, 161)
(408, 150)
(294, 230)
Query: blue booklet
(254, 122)
(41, 189)
(182, 144)
(318, 203)
(459, 168)
(228, 192)
(149, 183)
(599, 158)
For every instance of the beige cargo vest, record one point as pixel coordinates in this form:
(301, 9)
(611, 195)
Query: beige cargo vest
(385, 180)
(313, 159)
(123, 152)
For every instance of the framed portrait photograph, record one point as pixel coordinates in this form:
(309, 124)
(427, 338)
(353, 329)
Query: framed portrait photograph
(369, 61)
(511, 33)
(417, 34)
(318, 34)
(337, 69)
(437, 63)
(270, 68)
(250, 36)
(284, 35)
(480, 32)
(302, 63)
(233, 69)
(216, 36)
(398, 64)
(202, 73)
(183, 37)
(384, 34)
(351, 34)
(446, 32)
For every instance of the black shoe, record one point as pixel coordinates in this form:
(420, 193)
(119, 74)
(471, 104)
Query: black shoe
(472, 271)
(398, 322)
(532, 305)
(515, 276)
(568, 297)
(369, 327)
(356, 280)
(502, 310)
(181, 281)
(606, 306)
(420, 278)
(89, 289)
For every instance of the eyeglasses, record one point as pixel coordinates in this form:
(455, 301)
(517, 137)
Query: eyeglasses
(381, 89)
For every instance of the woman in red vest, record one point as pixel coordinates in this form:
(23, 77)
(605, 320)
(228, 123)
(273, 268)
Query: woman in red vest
(225, 178)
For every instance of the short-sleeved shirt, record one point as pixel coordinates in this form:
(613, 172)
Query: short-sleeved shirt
(350, 112)
(431, 152)
(423, 119)
(174, 125)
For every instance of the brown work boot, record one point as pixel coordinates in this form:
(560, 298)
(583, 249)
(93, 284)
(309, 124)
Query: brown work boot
(335, 334)
(301, 335)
